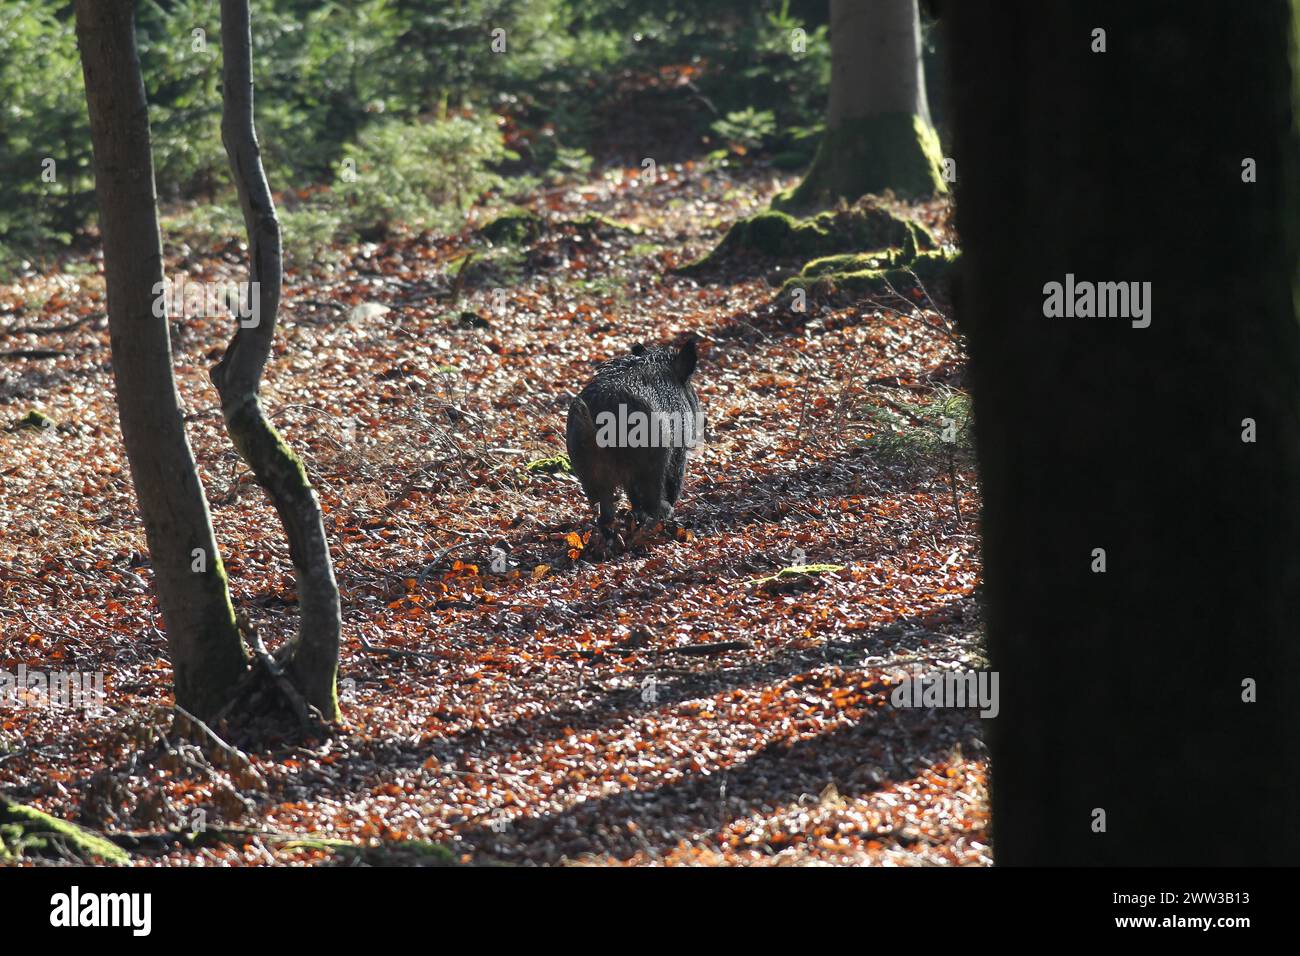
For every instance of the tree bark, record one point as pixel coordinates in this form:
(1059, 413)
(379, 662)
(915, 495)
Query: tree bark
(878, 131)
(208, 657)
(1122, 690)
(313, 658)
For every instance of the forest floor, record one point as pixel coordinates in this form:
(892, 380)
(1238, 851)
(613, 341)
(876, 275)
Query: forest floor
(558, 708)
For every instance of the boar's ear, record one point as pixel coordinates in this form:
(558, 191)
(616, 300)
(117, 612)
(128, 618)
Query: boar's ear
(685, 359)
(638, 349)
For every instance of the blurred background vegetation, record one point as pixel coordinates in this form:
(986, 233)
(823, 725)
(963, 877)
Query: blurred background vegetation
(378, 112)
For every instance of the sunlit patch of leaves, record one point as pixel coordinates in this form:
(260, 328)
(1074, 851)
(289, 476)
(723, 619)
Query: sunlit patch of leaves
(506, 689)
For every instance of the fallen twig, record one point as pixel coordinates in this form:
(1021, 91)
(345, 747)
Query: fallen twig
(51, 329)
(696, 650)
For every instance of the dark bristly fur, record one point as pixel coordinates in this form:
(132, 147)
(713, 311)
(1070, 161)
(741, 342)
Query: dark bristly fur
(651, 380)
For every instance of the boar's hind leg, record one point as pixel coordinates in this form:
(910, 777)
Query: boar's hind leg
(674, 475)
(600, 492)
(647, 489)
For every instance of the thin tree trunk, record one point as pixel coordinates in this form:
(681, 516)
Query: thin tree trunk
(313, 660)
(207, 655)
(1122, 690)
(878, 132)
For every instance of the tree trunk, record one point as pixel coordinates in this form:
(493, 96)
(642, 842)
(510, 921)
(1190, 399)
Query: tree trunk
(313, 659)
(878, 133)
(207, 655)
(1122, 690)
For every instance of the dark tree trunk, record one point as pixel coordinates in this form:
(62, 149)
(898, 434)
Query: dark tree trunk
(207, 655)
(1122, 691)
(314, 656)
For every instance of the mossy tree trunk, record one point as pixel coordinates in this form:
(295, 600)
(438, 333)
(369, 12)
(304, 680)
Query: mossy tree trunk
(878, 131)
(313, 658)
(1122, 689)
(208, 657)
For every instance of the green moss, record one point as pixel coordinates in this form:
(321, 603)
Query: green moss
(594, 222)
(938, 264)
(797, 577)
(318, 684)
(870, 273)
(775, 233)
(27, 833)
(33, 419)
(257, 440)
(558, 464)
(854, 262)
(517, 227)
(776, 236)
(204, 679)
(797, 569)
(282, 473)
(897, 151)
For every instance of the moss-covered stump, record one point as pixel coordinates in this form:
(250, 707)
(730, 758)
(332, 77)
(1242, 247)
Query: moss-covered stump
(29, 834)
(777, 237)
(897, 151)
(876, 273)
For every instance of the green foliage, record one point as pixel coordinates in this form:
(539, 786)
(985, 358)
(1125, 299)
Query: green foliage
(749, 127)
(747, 51)
(386, 82)
(570, 161)
(924, 433)
(307, 235)
(795, 82)
(324, 71)
(44, 106)
(423, 174)
(203, 222)
(180, 56)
